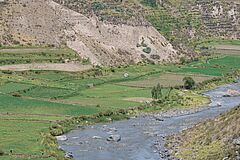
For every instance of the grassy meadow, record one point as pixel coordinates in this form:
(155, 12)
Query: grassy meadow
(31, 101)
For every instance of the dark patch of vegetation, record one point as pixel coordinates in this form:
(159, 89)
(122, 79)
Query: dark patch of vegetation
(147, 50)
(151, 3)
(1, 152)
(189, 82)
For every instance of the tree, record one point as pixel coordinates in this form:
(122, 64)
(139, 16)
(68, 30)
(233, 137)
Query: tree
(157, 92)
(189, 82)
(154, 93)
(169, 92)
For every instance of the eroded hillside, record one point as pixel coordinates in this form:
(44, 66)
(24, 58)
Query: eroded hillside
(120, 32)
(46, 22)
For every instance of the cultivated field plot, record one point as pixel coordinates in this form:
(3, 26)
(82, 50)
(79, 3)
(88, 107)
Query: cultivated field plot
(109, 96)
(14, 87)
(220, 46)
(218, 66)
(166, 80)
(227, 49)
(47, 92)
(22, 105)
(67, 67)
(36, 55)
(22, 138)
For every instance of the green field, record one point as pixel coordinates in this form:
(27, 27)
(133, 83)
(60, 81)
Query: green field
(166, 80)
(36, 55)
(218, 66)
(31, 101)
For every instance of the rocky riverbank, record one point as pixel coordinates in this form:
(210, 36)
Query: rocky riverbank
(143, 137)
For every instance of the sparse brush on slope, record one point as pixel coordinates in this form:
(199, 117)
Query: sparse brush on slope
(214, 139)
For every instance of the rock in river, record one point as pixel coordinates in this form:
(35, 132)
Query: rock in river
(62, 138)
(114, 138)
(97, 137)
(69, 155)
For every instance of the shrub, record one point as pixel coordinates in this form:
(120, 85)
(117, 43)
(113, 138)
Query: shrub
(16, 94)
(1, 152)
(150, 3)
(147, 50)
(189, 82)
(7, 72)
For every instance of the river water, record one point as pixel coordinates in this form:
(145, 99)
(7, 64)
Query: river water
(142, 138)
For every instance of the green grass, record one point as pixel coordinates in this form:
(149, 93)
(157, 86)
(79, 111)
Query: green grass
(14, 87)
(36, 55)
(47, 92)
(71, 95)
(21, 137)
(10, 104)
(110, 96)
(215, 67)
(165, 79)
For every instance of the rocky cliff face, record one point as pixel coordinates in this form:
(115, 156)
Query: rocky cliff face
(46, 22)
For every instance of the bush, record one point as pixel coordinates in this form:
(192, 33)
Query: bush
(1, 152)
(147, 50)
(189, 82)
(150, 3)
(16, 94)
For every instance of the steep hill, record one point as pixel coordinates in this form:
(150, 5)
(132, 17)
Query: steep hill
(187, 22)
(45, 22)
(214, 139)
(120, 31)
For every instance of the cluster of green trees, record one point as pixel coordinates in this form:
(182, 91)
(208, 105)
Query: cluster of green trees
(189, 82)
(157, 91)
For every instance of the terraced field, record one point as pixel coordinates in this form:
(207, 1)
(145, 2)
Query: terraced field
(166, 80)
(20, 55)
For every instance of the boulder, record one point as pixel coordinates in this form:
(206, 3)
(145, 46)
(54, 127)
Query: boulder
(114, 138)
(69, 155)
(62, 138)
(97, 137)
(236, 141)
(159, 119)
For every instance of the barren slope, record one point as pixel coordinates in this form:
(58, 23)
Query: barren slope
(46, 22)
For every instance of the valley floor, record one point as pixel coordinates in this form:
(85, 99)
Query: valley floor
(33, 101)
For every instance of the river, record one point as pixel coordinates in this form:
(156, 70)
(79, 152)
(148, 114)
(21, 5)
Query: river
(142, 137)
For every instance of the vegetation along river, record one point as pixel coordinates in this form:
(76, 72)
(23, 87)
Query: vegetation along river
(142, 137)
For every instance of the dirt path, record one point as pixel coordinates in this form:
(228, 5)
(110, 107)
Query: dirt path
(68, 67)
